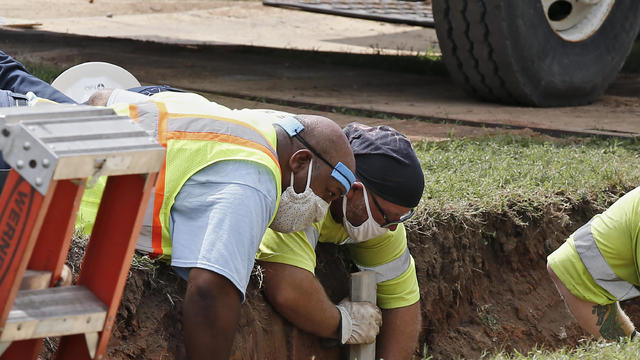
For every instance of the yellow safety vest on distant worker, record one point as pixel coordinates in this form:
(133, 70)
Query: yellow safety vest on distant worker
(599, 262)
(196, 133)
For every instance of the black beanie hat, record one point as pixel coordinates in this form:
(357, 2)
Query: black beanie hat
(386, 163)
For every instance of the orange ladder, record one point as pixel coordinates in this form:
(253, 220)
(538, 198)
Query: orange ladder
(52, 151)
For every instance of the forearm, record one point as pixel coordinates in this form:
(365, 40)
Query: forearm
(300, 298)
(601, 321)
(319, 317)
(606, 321)
(399, 333)
(612, 323)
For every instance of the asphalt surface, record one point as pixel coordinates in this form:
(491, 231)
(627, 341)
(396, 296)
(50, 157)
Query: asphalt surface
(241, 50)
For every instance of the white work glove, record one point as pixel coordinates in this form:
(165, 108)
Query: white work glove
(360, 322)
(66, 277)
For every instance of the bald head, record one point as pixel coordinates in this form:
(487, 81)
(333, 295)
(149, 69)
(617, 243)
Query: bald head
(100, 97)
(328, 140)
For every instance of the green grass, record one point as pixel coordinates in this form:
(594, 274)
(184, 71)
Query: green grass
(522, 176)
(515, 174)
(465, 178)
(46, 72)
(589, 351)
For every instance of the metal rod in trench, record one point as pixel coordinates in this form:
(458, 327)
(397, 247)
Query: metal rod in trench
(363, 288)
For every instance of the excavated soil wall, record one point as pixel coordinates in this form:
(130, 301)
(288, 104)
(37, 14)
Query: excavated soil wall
(484, 287)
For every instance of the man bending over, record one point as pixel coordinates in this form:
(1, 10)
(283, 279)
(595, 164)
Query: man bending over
(368, 221)
(598, 266)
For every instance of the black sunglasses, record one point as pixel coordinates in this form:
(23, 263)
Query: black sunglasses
(387, 222)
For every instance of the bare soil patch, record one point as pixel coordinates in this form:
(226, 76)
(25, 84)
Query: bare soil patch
(243, 22)
(344, 87)
(484, 287)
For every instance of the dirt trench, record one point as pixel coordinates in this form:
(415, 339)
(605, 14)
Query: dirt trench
(484, 287)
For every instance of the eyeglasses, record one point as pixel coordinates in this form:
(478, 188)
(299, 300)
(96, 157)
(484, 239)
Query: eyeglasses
(340, 172)
(388, 223)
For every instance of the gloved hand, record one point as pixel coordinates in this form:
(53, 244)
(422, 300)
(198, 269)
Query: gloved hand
(66, 277)
(360, 322)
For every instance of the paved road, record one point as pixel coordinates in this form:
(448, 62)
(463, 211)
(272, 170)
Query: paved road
(304, 78)
(244, 22)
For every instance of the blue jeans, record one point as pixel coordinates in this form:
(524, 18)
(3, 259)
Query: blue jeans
(11, 99)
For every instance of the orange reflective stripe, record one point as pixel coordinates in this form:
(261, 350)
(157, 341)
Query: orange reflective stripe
(156, 227)
(163, 116)
(133, 112)
(164, 135)
(172, 115)
(180, 135)
(216, 126)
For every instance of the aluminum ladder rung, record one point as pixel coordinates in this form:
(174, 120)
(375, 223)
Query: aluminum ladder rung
(54, 312)
(35, 279)
(75, 142)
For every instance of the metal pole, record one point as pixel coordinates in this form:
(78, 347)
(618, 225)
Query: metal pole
(363, 288)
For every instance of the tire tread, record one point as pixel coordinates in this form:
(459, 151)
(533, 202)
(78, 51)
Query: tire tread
(469, 54)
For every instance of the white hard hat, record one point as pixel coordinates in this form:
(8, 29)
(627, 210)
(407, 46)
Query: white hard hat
(81, 81)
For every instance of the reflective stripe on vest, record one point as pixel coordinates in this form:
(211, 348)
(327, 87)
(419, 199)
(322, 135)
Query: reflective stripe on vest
(392, 269)
(312, 236)
(144, 239)
(201, 125)
(155, 119)
(384, 272)
(146, 115)
(598, 267)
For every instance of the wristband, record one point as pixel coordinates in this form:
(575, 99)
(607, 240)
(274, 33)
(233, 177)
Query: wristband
(346, 325)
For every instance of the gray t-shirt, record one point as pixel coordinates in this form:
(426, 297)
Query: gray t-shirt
(219, 217)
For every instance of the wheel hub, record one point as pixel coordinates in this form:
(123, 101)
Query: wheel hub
(576, 20)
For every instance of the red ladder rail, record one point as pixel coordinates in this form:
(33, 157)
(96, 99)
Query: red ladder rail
(52, 152)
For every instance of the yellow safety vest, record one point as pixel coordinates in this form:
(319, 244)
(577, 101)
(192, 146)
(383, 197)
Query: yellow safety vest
(196, 133)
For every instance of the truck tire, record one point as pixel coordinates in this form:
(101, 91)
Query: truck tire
(510, 51)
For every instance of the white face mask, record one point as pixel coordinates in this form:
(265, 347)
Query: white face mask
(298, 211)
(369, 229)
